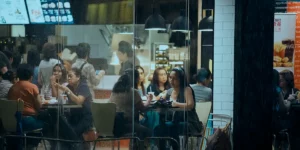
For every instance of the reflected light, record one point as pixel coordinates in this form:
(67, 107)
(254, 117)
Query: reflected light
(114, 59)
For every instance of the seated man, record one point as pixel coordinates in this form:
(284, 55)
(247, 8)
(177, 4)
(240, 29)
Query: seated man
(29, 93)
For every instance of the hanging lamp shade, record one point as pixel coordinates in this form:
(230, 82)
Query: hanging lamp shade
(155, 22)
(181, 23)
(207, 23)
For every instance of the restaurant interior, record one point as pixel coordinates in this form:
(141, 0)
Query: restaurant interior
(172, 36)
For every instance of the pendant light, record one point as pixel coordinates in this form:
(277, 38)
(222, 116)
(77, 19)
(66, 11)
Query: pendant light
(155, 21)
(207, 23)
(181, 23)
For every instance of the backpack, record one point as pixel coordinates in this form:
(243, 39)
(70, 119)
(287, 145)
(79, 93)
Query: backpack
(220, 140)
(83, 77)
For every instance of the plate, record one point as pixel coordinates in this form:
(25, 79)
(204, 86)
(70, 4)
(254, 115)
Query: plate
(52, 101)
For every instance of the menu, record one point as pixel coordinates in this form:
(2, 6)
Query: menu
(35, 11)
(50, 11)
(13, 12)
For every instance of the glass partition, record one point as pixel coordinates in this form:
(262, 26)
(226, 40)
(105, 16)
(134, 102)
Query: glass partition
(109, 69)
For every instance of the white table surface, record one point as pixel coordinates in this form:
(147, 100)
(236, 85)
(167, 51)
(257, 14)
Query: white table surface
(107, 82)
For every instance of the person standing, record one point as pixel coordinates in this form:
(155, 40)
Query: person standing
(87, 69)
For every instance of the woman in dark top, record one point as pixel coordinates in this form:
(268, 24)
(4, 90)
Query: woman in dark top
(160, 83)
(280, 117)
(78, 92)
(183, 96)
(125, 96)
(287, 84)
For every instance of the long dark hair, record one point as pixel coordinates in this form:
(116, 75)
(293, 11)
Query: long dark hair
(155, 81)
(126, 81)
(142, 84)
(288, 76)
(183, 83)
(64, 73)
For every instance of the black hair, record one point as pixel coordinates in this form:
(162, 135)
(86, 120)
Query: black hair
(155, 81)
(8, 54)
(125, 47)
(202, 75)
(126, 81)
(63, 73)
(183, 83)
(49, 51)
(24, 72)
(33, 58)
(17, 60)
(2, 64)
(83, 50)
(142, 84)
(9, 75)
(77, 72)
(288, 76)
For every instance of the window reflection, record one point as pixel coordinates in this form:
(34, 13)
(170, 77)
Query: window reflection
(81, 54)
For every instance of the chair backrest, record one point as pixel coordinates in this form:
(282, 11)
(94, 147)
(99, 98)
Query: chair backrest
(104, 118)
(203, 109)
(8, 109)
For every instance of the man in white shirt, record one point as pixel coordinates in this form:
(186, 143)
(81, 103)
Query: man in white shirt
(88, 70)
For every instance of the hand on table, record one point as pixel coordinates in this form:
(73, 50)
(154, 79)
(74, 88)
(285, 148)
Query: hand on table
(61, 87)
(163, 95)
(53, 79)
(291, 97)
(174, 104)
(149, 97)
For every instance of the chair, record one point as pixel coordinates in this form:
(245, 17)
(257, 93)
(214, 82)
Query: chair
(203, 108)
(104, 119)
(8, 108)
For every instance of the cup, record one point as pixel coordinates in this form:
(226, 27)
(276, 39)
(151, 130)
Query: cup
(64, 98)
(42, 98)
(151, 93)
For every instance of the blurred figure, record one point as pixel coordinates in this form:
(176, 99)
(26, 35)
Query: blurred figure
(201, 89)
(287, 85)
(8, 79)
(60, 48)
(87, 69)
(29, 93)
(80, 120)
(9, 55)
(126, 57)
(4, 59)
(45, 69)
(33, 59)
(3, 67)
(124, 95)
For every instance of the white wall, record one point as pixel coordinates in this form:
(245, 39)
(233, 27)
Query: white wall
(223, 56)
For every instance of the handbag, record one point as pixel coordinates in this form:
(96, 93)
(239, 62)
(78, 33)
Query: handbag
(90, 135)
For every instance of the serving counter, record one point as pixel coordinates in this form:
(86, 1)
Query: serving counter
(104, 89)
